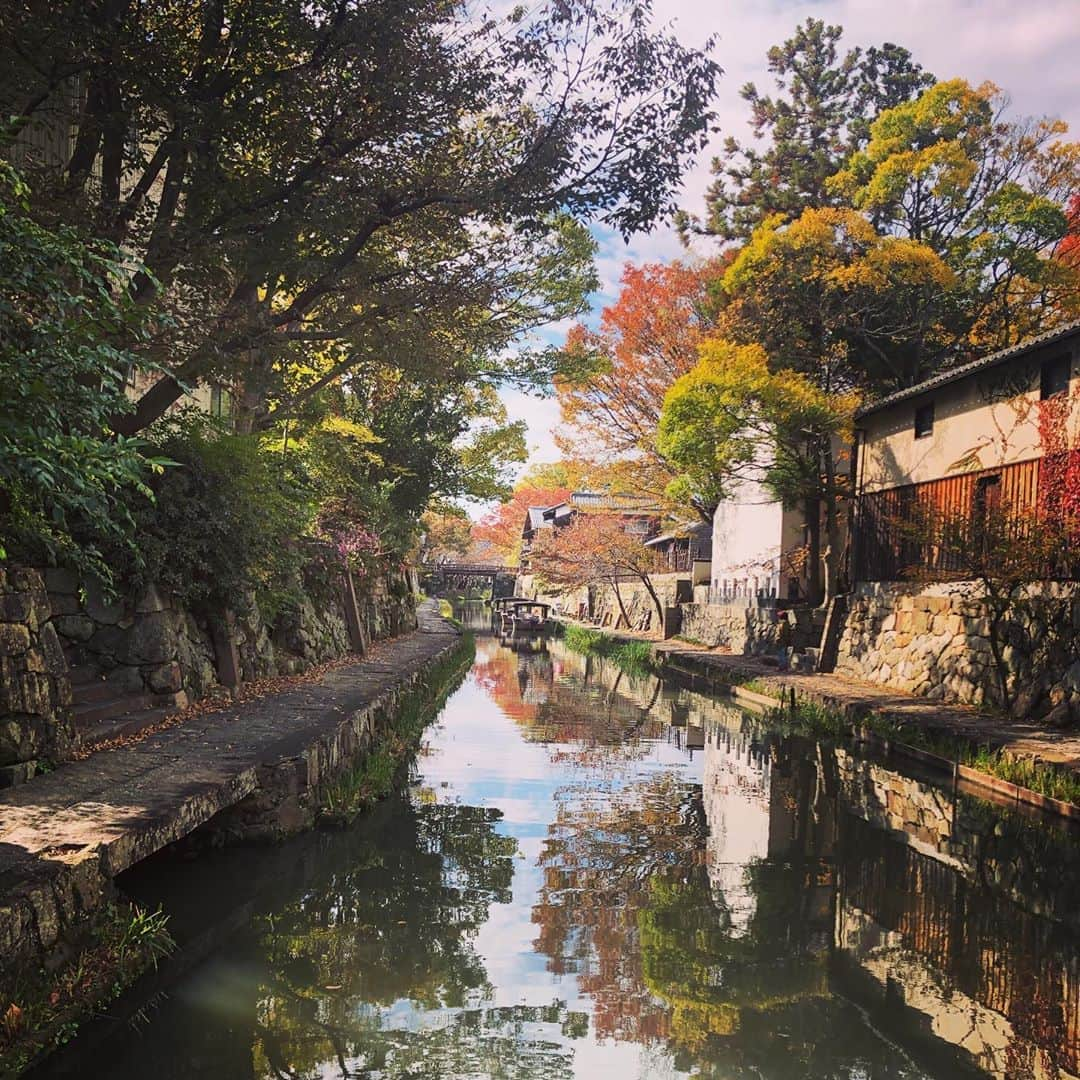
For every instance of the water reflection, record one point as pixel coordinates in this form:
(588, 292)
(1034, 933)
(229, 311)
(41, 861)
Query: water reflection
(597, 875)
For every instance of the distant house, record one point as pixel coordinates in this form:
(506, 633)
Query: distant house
(638, 516)
(963, 442)
(680, 548)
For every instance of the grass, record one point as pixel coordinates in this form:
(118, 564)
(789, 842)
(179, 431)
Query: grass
(376, 776)
(41, 1010)
(820, 721)
(634, 657)
(758, 686)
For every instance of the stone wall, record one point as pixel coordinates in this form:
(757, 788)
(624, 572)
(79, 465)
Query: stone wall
(746, 630)
(151, 646)
(599, 604)
(35, 694)
(936, 642)
(145, 645)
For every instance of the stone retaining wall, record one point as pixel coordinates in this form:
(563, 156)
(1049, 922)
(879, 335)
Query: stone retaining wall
(936, 642)
(746, 630)
(35, 694)
(599, 604)
(150, 645)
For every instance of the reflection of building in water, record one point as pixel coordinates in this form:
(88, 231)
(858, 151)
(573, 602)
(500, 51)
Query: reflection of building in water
(736, 794)
(952, 960)
(948, 926)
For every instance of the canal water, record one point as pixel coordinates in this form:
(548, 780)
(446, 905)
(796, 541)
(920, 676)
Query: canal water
(596, 875)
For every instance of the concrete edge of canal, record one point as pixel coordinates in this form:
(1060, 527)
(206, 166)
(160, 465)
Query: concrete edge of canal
(257, 768)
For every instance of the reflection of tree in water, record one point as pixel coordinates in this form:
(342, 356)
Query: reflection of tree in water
(626, 906)
(587, 709)
(396, 921)
(602, 850)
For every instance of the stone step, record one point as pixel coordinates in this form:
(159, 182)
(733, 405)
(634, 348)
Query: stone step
(93, 712)
(98, 690)
(123, 726)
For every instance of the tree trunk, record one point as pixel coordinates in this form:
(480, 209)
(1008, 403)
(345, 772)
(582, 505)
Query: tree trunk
(622, 607)
(813, 543)
(647, 582)
(833, 540)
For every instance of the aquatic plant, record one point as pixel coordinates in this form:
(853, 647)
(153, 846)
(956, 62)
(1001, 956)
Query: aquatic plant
(823, 721)
(631, 656)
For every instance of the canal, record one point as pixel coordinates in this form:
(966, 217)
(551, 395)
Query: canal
(593, 874)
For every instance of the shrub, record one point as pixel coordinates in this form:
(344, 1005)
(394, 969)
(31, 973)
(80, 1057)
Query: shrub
(226, 521)
(63, 313)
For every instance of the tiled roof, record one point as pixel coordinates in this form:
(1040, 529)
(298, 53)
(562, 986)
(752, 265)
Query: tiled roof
(597, 500)
(984, 362)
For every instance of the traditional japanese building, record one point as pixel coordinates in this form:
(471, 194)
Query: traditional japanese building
(998, 432)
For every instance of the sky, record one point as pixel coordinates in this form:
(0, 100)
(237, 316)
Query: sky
(1029, 49)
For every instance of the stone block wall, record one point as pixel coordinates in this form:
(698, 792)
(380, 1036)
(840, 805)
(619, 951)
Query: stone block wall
(150, 645)
(746, 630)
(146, 645)
(599, 603)
(936, 642)
(35, 693)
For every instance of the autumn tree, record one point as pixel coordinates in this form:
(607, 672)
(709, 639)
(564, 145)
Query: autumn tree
(734, 419)
(987, 194)
(501, 527)
(447, 534)
(313, 186)
(824, 102)
(813, 313)
(596, 548)
(611, 397)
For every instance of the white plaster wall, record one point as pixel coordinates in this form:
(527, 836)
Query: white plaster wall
(748, 531)
(985, 420)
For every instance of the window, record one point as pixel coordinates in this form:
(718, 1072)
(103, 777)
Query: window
(924, 421)
(1054, 376)
(220, 402)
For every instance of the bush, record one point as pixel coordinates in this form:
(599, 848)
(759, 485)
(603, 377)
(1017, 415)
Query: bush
(226, 521)
(64, 311)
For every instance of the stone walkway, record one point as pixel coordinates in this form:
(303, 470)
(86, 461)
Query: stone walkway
(65, 832)
(855, 698)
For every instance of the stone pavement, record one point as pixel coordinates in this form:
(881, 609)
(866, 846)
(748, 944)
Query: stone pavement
(64, 834)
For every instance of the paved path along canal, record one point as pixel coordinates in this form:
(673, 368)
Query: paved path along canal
(107, 812)
(596, 875)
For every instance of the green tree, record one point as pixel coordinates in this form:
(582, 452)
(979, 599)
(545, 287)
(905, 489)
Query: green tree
(733, 418)
(987, 194)
(317, 185)
(821, 112)
(63, 311)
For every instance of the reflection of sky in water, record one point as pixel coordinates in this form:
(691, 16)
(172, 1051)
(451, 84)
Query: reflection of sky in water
(476, 755)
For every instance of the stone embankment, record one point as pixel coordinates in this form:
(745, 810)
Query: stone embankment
(939, 642)
(856, 699)
(255, 768)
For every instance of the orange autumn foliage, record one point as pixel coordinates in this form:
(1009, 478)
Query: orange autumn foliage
(501, 527)
(616, 377)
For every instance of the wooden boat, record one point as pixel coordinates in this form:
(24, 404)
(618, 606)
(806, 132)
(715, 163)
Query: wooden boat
(516, 614)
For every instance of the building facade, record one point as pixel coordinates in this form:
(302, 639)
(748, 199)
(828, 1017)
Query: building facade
(997, 435)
